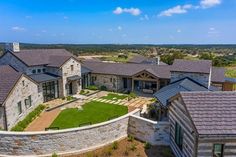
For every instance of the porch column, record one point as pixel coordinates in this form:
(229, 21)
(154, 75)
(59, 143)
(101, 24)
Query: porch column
(158, 84)
(132, 85)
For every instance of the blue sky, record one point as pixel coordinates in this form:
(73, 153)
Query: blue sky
(118, 21)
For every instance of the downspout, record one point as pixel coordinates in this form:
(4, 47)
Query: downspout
(5, 117)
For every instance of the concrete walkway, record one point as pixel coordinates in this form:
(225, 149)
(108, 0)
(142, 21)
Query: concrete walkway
(43, 121)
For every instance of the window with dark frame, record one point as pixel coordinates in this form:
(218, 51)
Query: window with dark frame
(19, 107)
(72, 67)
(39, 70)
(34, 71)
(218, 150)
(178, 136)
(28, 102)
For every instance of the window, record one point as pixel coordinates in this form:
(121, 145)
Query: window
(28, 102)
(23, 83)
(218, 150)
(39, 70)
(111, 80)
(178, 135)
(44, 70)
(19, 107)
(72, 67)
(34, 71)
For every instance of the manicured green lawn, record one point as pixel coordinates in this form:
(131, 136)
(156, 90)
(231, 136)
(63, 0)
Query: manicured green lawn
(113, 96)
(93, 112)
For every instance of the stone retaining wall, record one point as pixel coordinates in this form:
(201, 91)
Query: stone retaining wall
(64, 141)
(156, 133)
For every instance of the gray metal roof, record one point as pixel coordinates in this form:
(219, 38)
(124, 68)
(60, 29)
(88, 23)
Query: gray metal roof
(50, 57)
(231, 80)
(44, 77)
(8, 79)
(165, 93)
(85, 70)
(193, 66)
(213, 113)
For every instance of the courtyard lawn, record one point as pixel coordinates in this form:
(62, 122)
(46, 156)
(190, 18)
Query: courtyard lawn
(114, 96)
(93, 112)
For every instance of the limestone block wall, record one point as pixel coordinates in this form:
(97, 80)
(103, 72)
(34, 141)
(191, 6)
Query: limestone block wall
(64, 141)
(22, 90)
(156, 133)
(201, 78)
(68, 72)
(112, 82)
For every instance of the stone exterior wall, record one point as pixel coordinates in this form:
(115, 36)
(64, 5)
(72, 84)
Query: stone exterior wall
(22, 90)
(201, 78)
(64, 141)
(112, 82)
(156, 133)
(10, 59)
(66, 72)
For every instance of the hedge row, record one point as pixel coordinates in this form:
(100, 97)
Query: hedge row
(21, 125)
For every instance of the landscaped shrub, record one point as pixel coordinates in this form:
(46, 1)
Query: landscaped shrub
(92, 87)
(130, 138)
(133, 147)
(132, 95)
(54, 155)
(69, 98)
(20, 126)
(103, 88)
(114, 145)
(147, 145)
(83, 92)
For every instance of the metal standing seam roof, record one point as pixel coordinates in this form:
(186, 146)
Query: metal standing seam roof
(165, 93)
(44, 77)
(213, 113)
(50, 57)
(193, 66)
(8, 79)
(127, 69)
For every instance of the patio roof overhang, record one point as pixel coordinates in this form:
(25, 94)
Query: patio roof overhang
(73, 78)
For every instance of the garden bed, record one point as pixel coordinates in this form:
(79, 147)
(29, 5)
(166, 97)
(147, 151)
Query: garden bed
(91, 113)
(129, 148)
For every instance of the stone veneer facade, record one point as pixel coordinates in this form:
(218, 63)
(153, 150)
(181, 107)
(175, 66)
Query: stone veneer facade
(156, 133)
(66, 72)
(22, 90)
(199, 77)
(112, 82)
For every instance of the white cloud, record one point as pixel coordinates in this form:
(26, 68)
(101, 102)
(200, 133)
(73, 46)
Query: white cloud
(119, 28)
(28, 17)
(132, 11)
(43, 31)
(176, 10)
(179, 30)
(145, 17)
(209, 3)
(65, 17)
(18, 29)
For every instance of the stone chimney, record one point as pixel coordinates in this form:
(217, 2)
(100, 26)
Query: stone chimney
(158, 60)
(13, 47)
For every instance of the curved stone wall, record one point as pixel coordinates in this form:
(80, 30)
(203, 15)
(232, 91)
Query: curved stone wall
(64, 141)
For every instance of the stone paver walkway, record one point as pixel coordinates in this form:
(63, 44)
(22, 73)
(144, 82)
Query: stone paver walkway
(43, 121)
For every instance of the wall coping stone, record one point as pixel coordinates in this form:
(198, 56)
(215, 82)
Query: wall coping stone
(71, 129)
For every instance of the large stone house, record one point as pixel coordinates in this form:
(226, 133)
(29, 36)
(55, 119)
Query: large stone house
(150, 78)
(203, 124)
(19, 95)
(57, 71)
